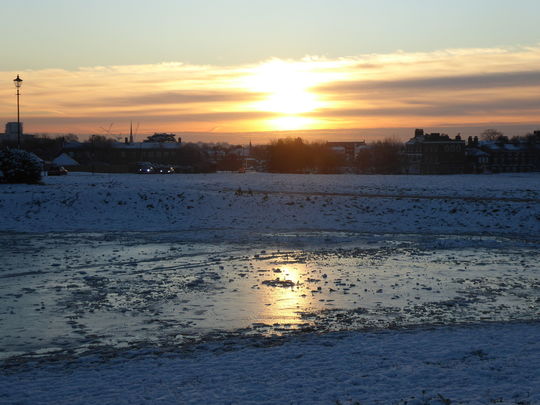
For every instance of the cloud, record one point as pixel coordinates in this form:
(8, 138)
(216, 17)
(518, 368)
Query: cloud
(165, 119)
(173, 98)
(453, 83)
(440, 108)
(409, 89)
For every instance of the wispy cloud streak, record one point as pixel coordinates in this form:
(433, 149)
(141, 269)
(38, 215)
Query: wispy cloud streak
(387, 90)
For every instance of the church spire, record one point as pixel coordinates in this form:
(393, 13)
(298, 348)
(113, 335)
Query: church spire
(130, 131)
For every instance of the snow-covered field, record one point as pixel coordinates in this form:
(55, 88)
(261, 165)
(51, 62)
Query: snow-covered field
(492, 364)
(506, 204)
(261, 288)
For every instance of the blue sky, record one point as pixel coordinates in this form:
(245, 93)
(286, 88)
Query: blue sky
(37, 34)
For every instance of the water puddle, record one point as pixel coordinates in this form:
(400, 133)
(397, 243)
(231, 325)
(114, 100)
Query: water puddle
(76, 292)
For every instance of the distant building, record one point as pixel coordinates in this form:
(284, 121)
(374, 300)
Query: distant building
(476, 160)
(349, 149)
(12, 131)
(11, 135)
(434, 153)
(506, 156)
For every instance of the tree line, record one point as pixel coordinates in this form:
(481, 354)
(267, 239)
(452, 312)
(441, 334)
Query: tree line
(285, 155)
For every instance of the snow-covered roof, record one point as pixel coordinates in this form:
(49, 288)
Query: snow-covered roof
(512, 147)
(415, 140)
(36, 157)
(65, 160)
(475, 152)
(497, 146)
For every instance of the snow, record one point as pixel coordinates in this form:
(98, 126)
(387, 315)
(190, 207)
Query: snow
(467, 365)
(475, 204)
(164, 289)
(65, 160)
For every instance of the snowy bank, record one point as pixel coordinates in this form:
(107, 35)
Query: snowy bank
(460, 365)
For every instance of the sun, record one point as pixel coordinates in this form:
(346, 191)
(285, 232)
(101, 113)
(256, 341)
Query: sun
(289, 101)
(286, 87)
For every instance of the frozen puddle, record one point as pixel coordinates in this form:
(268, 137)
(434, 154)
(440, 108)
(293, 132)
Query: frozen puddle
(73, 293)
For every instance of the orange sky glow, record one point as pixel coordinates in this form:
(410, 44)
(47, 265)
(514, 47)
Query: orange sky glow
(430, 89)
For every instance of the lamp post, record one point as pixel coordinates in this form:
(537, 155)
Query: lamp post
(18, 84)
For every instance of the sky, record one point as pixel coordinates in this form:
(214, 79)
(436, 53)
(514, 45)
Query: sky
(236, 69)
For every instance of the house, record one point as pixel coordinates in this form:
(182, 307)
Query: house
(505, 156)
(476, 160)
(434, 153)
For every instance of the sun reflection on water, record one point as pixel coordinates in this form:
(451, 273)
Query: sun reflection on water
(284, 304)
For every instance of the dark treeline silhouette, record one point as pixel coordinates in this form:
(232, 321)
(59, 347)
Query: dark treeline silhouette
(497, 136)
(382, 157)
(100, 142)
(492, 151)
(491, 135)
(285, 155)
(225, 157)
(294, 155)
(192, 157)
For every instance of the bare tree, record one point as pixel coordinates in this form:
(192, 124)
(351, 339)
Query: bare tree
(382, 157)
(491, 135)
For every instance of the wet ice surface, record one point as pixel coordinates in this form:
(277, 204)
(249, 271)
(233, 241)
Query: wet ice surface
(75, 293)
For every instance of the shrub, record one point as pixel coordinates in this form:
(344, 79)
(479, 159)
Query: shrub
(20, 166)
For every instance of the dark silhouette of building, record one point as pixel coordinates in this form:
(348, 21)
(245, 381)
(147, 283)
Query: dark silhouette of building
(434, 153)
(476, 160)
(518, 155)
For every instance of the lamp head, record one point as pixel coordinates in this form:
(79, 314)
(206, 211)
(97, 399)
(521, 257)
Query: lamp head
(18, 81)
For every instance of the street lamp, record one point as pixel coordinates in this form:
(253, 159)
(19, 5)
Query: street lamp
(18, 84)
